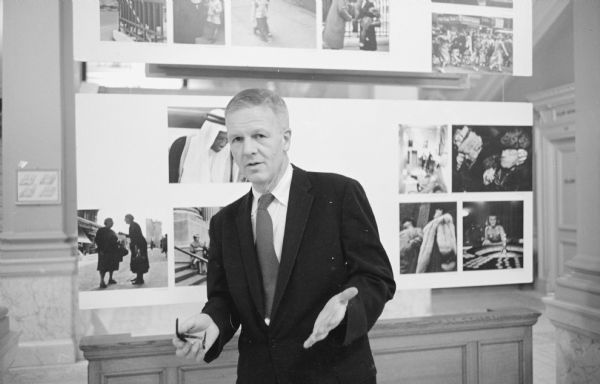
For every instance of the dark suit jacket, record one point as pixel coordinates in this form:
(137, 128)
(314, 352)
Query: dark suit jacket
(330, 243)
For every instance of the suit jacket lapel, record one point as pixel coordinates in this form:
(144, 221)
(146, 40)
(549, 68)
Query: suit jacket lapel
(248, 253)
(299, 205)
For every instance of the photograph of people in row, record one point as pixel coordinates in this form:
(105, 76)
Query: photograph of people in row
(492, 235)
(491, 158)
(427, 237)
(464, 43)
(199, 22)
(119, 253)
(191, 243)
(424, 158)
(356, 25)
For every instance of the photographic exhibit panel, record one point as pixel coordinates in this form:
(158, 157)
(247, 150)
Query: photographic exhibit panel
(424, 158)
(492, 158)
(485, 3)
(191, 243)
(428, 237)
(492, 235)
(298, 35)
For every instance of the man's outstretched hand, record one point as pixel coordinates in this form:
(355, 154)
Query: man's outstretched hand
(196, 348)
(331, 316)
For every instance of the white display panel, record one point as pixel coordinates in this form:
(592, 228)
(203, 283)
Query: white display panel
(297, 40)
(122, 167)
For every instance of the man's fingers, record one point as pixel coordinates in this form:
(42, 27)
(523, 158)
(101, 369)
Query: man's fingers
(347, 294)
(193, 353)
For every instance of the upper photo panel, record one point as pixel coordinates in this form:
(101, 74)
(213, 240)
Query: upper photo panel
(274, 23)
(485, 3)
(491, 158)
(133, 21)
(199, 22)
(356, 25)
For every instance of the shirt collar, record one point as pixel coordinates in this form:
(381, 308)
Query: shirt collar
(281, 192)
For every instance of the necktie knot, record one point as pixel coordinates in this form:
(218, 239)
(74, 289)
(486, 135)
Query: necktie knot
(265, 200)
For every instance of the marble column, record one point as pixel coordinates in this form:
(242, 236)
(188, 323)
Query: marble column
(8, 344)
(38, 254)
(575, 307)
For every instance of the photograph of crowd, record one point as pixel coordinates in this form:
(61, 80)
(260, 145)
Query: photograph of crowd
(492, 235)
(274, 23)
(462, 44)
(118, 250)
(427, 237)
(488, 3)
(191, 244)
(356, 25)
(133, 21)
(198, 149)
(199, 22)
(424, 158)
(491, 158)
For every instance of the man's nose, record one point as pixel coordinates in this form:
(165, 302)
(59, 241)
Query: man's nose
(249, 147)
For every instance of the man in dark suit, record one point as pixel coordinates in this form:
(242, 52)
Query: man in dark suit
(297, 262)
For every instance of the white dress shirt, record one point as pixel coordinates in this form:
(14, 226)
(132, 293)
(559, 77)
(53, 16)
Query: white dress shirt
(277, 209)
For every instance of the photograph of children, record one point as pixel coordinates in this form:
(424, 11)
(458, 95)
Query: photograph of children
(427, 237)
(491, 158)
(133, 21)
(492, 235)
(120, 250)
(463, 44)
(488, 3)
(191, 244)
(356, 25)
(198, 147)
(199, 22)
(425, 165)
(274, 23)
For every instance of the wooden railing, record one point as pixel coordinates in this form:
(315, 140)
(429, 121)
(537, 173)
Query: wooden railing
(487, 347)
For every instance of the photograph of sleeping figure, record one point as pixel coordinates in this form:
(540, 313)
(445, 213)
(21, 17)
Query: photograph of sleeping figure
(492, 235)
(427, 237)
(424, 158)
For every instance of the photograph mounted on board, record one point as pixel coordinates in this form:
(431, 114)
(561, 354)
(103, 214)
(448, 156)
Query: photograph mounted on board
(274, 23)
(425, 165)
(485, 3)
(198, 148)
(199, 22)
(491, 158)
(427, 237)
(492, 235)
(133, 21)
(118, 250)
(356, 25)
(191, 244)
(464, 44)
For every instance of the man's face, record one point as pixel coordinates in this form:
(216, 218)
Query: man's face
(493, 220)
(407, 225)
(220, 141)
(109, 224)
(258, 144)
(127, 220)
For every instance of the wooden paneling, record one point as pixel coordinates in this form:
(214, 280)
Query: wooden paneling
(488, 347)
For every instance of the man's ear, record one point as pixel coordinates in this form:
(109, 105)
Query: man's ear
(287, 139)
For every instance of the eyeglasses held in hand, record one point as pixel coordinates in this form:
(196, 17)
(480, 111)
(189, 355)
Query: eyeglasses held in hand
(184, 336)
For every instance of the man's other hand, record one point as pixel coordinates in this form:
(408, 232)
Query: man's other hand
(196, 348)
(331, 316)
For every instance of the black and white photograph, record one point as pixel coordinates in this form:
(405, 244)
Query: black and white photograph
(356, 25)
(425, 165)
(492, 235)
(199, 151)
(191, 244)
(485, 3)
(120, 250)
(133, 21)
(199, 22)
(466, 44)
(491, 158)
(427, 237)
(274, 23)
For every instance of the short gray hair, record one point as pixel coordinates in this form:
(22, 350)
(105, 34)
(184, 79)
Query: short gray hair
(258, 97)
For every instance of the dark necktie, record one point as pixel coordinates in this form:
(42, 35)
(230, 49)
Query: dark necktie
(267, 258)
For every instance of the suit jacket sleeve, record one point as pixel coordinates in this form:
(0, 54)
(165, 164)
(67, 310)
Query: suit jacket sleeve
(220, 304)
(369, 268)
